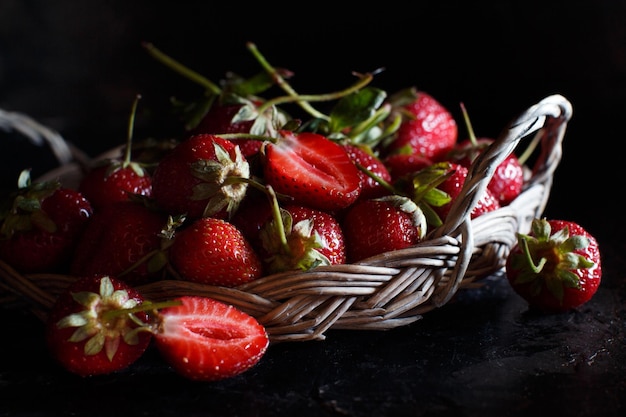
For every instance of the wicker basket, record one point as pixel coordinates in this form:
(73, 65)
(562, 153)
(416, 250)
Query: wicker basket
(386, 291)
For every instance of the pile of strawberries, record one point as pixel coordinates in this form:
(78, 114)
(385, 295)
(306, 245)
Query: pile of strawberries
(246, 190)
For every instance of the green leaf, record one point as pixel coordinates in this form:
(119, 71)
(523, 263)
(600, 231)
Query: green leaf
(356, 108)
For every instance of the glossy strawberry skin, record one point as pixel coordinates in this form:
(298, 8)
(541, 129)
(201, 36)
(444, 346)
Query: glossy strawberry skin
(213, 251)
(313, 170)
(315, 238)
(177, 188)
(536, 291)
(431, 132)
(372, 227)
(329, 229)
(219, 120)
(401, 164)
(71, 355)
(370, 188)
(117, 237)
(207, 340)
(508, 178)
(453, 185)
(102, 186)
(39, 250)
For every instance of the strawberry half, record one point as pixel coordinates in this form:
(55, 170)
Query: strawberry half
(312, 169)
(556, 267)
(207, 340)
(87, 334)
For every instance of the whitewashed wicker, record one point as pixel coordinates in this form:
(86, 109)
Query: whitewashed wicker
(386, 291)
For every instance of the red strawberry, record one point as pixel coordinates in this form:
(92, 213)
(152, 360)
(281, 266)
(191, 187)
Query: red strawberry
(313, 170)
(302, 238)
(116, 179)
(85, 335)
(556, 267)
(230, 118)
(381, 225)
(453, 185)
(402, 164)
(207, 340)
(508, 177)
(41, 225)
(428, 128)
(213, 251)
(122, 239)
(364, 156)
(201, 177)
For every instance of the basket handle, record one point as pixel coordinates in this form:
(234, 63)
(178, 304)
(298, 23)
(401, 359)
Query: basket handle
(37, 133)
(548, 118)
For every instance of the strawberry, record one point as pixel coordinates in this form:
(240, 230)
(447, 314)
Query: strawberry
(313, 170)
(453, 185)
(213, 251)
(364, 157)
(202, 176)
(556, 267)
(301, 237)
(381, 225)
(122, 239)
(207, 340)
(88, 335)
(428, 128)
(402, 164)
(113, 180)
(228, 119)
(508, 178)
(41, 225)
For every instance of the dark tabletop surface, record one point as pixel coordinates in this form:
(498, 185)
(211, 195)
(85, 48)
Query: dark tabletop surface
(76, 66)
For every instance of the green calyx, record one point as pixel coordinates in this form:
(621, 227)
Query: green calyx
(22, 209)
(550, 258)
(290, 246)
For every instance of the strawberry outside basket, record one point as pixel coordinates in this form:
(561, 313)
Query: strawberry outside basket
(379, 293)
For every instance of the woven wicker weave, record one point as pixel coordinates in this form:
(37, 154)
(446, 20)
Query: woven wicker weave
(386, 291)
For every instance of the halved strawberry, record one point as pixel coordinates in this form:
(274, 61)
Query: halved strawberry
(86, 332)
(312, 169)
(207, 340)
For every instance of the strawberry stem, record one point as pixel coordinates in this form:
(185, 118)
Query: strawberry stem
(129, 136)
(181, 69)
(146, 306)
(536, 268)
(468, 124)
(282, 83)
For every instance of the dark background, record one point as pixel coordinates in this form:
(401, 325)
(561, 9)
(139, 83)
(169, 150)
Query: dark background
(77, 65)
